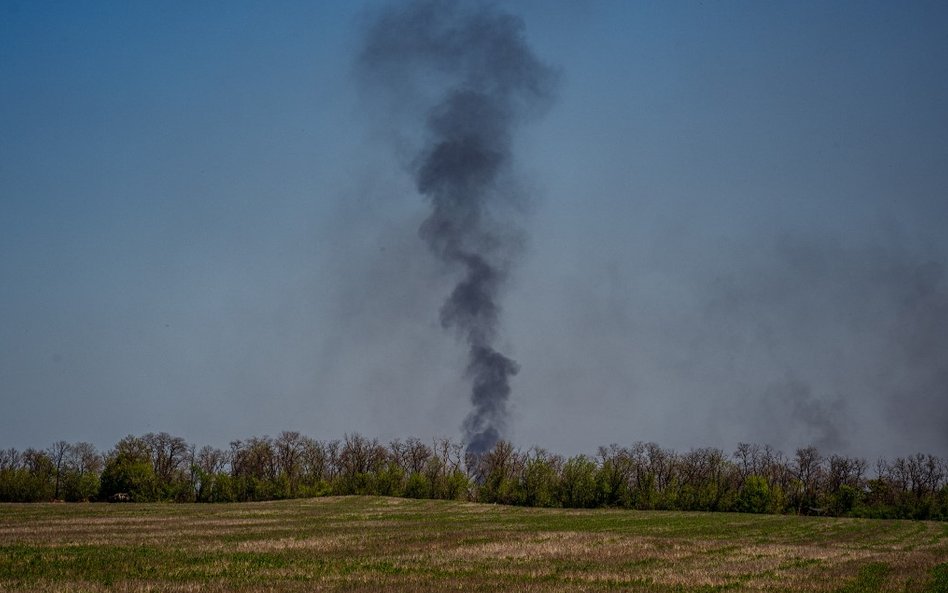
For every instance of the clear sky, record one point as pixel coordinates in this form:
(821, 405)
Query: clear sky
(735, 229)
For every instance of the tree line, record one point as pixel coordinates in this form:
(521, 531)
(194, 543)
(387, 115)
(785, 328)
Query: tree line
(754, 479)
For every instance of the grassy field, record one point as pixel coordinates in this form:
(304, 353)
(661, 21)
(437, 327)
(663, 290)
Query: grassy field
(382, 544)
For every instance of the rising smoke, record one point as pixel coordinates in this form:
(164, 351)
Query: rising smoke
(837, 345)
(469, 68)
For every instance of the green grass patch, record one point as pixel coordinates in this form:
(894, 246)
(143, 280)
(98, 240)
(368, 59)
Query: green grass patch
(871, 579)
(938, 581)
(381, 544)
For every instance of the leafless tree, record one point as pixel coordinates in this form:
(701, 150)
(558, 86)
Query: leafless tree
(289, 455)
(10, 459)
(808, 465)
(617, 468)
(58, 453)
(314, 460)
(749, 460)
(359, 455)
(845, 470)
(168, 455)
(211, 460)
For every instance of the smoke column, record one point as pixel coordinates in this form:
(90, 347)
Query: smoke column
(485, 82)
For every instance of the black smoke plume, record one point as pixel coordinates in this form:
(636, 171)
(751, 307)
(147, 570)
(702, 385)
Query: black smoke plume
(469, 67)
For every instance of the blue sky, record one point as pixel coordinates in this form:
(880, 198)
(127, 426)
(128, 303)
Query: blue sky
(735, 229)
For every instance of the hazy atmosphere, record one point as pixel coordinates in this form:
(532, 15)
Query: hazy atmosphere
(700, 223)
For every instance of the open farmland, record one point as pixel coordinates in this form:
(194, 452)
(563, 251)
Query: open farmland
(387, 544)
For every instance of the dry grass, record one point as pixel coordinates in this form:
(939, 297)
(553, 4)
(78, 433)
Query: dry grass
(379, 544)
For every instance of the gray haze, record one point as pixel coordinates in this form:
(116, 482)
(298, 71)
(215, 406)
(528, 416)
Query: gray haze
(729, 227)
(487, 81)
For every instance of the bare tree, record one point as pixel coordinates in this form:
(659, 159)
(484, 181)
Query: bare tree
(848, 471)
(417, 455)
(85, 459)
(809, 467)
(289, 448)
(211, 460)
(10, 459)
(332, 458)
(58, 453)
(617, 467)
(748, 458)
(168, 455)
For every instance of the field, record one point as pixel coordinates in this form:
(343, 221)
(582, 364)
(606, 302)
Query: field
(383, 544)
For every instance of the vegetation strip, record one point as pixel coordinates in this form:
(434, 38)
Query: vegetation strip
(754, 479)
